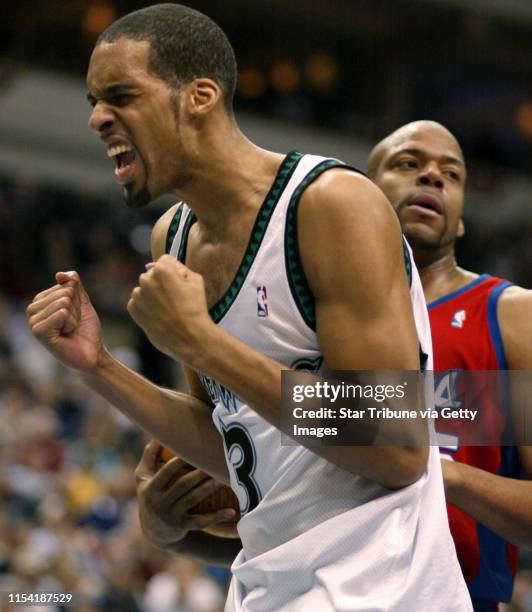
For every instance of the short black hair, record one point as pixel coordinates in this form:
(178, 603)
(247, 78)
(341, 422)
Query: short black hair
(184, 45)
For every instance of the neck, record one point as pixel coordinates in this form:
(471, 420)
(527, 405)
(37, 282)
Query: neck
(229, 179)
(441, 275)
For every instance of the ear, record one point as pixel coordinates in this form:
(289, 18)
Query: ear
(461, 228)
(201, 96)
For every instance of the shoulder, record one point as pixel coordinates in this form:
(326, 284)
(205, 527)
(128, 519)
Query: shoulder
(343, 190)
(347, 229)
(515, 309)
(342, 203)
(515, 321)
(159, 232)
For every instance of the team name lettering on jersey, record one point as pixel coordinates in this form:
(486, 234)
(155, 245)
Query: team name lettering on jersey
(219, 393)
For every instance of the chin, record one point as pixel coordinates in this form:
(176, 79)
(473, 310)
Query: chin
(424, 244)
(423, 240)
(136, 199)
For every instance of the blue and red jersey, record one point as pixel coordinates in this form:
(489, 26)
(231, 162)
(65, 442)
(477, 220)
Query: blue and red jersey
(466, 336)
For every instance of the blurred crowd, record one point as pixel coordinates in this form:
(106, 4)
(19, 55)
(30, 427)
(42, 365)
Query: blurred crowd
(68, 516)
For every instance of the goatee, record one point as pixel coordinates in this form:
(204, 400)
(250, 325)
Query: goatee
(136, 200)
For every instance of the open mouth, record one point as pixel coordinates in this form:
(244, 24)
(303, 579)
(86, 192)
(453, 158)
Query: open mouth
(427, 205)
(125, 160)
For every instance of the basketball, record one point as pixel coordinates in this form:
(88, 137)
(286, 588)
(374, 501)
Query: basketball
(220, 499)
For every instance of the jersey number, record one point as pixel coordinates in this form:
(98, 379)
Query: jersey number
(241, 455)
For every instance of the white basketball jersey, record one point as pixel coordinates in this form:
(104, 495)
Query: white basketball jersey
(314, 536)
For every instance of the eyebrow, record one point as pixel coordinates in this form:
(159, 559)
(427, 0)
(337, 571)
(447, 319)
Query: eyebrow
(449, 159)
(110, 90)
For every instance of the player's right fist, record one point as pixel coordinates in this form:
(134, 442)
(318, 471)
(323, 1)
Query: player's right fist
(63, 319)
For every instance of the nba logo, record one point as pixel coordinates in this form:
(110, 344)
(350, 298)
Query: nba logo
(458, 318)
(262, 301)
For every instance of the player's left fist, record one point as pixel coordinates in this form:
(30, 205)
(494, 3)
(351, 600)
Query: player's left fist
(170, 306)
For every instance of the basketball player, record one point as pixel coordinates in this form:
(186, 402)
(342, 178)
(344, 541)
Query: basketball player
(478, 322)
(274, 261)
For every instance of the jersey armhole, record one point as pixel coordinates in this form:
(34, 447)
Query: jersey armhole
(496, 338)
(408, 262)
(493, 323)
(297, 280)
(172, 228)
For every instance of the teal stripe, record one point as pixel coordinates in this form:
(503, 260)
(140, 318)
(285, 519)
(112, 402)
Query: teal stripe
(297, 280)
(257, 234)
(172, 229)
(408, 262)
(184, 238)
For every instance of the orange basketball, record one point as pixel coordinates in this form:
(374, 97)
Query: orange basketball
(166, 454)
(222, 498)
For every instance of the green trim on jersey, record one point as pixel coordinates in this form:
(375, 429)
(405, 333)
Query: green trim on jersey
(286, 169)
(284, 173)
(294, 269)
(189, 221)
(172, 229)
(408, 262)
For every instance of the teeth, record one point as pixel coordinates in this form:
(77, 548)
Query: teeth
(117, 149)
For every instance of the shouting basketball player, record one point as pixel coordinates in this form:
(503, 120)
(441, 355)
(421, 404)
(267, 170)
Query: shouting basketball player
(478, 322)
(270, 259)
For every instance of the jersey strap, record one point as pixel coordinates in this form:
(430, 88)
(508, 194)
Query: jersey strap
(493, 322)
(172, 228)
(408, 262)
(297, 280)
(186, 220)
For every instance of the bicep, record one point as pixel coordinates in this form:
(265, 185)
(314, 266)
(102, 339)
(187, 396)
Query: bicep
(514, 308)
(515, 321)
(364, 313)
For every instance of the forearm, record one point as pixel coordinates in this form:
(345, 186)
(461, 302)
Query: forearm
(502, 504)
(179, 421)
(206, 548)
(256, 379)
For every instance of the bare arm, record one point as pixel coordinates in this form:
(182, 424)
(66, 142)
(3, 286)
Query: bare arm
(64, 320)
(193, 541)
(355, 225)
(502, 504)
(180, 421)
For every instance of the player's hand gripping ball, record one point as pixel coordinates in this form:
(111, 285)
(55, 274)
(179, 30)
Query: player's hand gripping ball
(224, 497)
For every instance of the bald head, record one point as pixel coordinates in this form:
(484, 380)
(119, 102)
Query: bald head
(425, 130)
(420, 168)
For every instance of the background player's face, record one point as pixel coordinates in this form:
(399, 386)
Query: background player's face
(422, 173)
(135, 113)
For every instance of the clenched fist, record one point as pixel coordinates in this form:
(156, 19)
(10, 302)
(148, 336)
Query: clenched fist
(63, 319)
(170, 306)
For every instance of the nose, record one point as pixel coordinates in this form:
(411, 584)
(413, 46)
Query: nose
(101, 119)
(430, 176)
